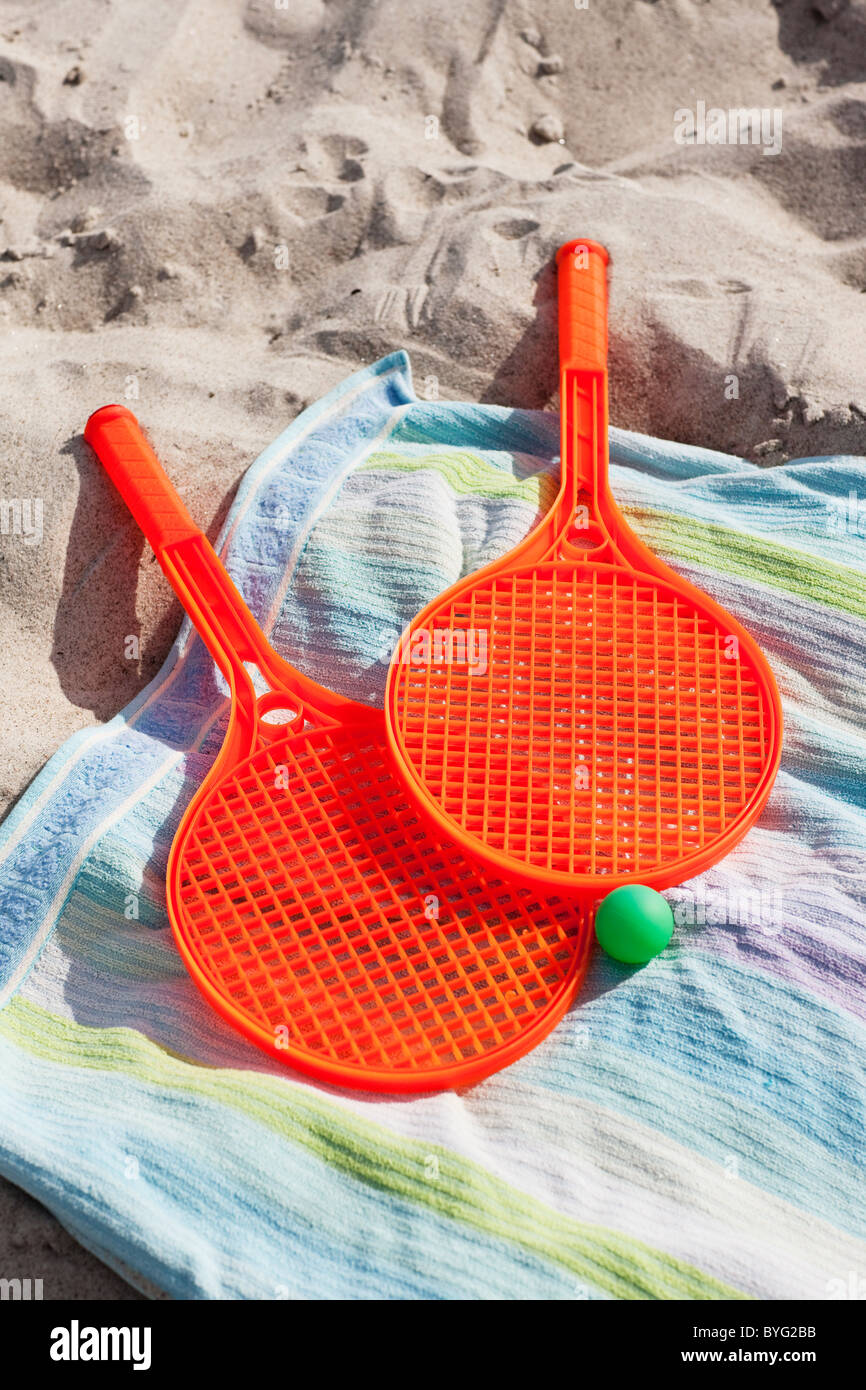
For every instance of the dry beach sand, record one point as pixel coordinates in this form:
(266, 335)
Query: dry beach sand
(215, 210)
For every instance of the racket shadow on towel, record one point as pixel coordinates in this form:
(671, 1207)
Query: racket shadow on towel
(310, 901)
(576, 715)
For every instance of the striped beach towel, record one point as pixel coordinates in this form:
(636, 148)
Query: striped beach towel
(691, 1129)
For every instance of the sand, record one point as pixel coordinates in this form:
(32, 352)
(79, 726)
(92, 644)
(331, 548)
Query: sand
(215, 210)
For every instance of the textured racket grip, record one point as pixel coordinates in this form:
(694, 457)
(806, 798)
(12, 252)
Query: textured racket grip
(582, 275)
(117, 439)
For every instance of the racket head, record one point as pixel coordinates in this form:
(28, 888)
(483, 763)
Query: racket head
(626, 727)
(301, 890)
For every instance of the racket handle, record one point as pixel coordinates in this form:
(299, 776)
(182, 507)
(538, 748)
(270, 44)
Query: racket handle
(116, 437)
(581, 272)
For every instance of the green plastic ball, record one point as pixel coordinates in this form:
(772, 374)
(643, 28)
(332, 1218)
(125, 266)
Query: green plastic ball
(634, 923)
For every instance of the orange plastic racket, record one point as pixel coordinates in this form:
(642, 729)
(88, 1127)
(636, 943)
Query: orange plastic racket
(576, 714)
(308, 898)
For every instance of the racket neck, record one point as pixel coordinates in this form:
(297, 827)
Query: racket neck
(221, 618)
(234, 638)
(583, 502)
(219, 614)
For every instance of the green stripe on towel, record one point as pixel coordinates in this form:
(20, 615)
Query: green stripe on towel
(463, 1192)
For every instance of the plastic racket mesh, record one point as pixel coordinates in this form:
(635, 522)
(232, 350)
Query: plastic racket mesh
(595, 722)
(315, 902)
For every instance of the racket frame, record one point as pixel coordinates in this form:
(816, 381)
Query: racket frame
(557, 544)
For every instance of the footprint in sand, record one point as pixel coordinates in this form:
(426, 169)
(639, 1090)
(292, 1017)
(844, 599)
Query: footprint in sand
(513, 228)
(405, 198)
(297, 19)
